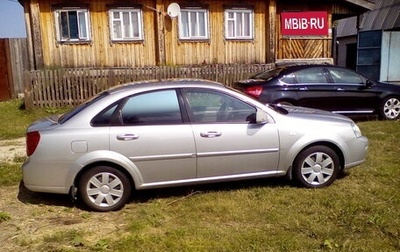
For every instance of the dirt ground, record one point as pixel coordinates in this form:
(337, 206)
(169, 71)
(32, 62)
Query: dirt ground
(28, 219)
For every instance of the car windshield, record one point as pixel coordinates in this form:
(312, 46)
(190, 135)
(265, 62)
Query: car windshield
(268, 74)
(65, 117)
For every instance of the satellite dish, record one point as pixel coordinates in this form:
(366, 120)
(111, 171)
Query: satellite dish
(173, 10)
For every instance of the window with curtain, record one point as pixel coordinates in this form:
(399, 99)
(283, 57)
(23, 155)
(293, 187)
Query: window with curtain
(72, 25)
(239, 24)
(126, 24)
(193, 24)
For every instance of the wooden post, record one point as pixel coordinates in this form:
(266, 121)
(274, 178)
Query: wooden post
(272, 32)
(36, 36)
(160, 33)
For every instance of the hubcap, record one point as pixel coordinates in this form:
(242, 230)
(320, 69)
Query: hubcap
(317, 168)
(392, 108)
(105, 189)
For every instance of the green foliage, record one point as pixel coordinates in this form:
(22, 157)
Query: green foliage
(10, 174)
(15, 118)
(4, 217)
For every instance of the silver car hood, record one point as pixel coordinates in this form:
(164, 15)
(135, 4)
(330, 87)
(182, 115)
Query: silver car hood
(311, 113)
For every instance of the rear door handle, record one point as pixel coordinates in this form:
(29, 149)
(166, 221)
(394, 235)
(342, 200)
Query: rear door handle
(127, 137)
(210, 134)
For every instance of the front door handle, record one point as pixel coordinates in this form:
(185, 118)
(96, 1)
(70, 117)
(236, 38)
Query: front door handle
(127, 137)
(210, 134)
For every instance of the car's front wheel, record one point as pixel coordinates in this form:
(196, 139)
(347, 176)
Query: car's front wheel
(317, 166)
(391, 108)
(104, 189)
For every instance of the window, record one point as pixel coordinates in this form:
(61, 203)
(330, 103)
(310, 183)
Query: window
(155, 108)
(126, 24)
(72, 25)
(311, 75)
(193, 24)
(345, 76)
(211, 107)
(238, 24)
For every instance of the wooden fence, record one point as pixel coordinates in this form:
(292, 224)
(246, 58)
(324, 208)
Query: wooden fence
(70, 87)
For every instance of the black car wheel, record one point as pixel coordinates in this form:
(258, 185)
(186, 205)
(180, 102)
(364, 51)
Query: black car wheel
(104, 188)
(316, 166)
(391, 108)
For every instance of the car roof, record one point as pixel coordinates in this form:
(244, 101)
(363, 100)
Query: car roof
(305, 66)
(167, 83)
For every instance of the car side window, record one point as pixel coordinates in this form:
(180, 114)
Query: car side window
(105, 118)
(154, 108)
(311, 75)
(213, 107)
(345, 76)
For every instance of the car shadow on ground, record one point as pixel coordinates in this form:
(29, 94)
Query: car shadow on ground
(49, 199)
(144, 196)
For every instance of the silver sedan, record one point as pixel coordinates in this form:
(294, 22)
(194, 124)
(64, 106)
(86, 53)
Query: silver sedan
(183, 132)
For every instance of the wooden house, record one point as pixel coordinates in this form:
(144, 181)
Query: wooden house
(132, 33)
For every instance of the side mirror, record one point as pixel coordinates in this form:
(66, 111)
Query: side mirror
(369, 83)
(261, 117)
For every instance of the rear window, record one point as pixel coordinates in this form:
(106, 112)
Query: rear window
(65, 117)
(267, 75)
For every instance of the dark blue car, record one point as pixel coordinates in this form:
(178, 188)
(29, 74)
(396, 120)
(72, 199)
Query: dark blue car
(326, 87)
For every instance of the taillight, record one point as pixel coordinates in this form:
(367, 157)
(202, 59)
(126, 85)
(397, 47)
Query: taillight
(254, 91)
(32, 141)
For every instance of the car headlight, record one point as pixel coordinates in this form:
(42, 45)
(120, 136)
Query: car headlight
(356, 130)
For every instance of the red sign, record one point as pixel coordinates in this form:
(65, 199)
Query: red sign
(310, 23)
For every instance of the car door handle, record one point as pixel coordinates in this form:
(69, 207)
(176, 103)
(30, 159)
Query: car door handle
(210, 134)
(340, 89)
(303, 89)
(127, 137)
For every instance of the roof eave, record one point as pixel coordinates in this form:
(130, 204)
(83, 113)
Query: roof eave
(362, 3)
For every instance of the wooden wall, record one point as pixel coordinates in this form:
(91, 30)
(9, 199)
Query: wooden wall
(100, 52)
(162, 46)
(217, 49)
(13, 63)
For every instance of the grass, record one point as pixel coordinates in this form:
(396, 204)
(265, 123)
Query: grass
(359, 212)
(15, 119)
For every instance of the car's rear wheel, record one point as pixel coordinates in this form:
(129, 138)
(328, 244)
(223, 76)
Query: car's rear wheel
(391, 108)
(104, 188)
(317, 166)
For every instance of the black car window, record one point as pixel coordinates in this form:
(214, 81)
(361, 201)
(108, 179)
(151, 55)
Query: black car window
(160, 107)
(212, 107)
(105, 118)
(289, 79)
(341, 75)
(311, 75)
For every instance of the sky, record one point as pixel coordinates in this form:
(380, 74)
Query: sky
(12, 23)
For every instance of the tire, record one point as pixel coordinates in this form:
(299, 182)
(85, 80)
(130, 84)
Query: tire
(104, 189)
(316, 167)
(390, 109)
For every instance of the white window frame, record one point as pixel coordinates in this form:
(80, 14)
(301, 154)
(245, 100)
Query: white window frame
(117, 25)
(82, 23)
(189, 30)
(234, 28)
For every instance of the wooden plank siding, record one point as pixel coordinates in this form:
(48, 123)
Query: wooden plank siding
(161, 45)
(217, 49)
(100, 51)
